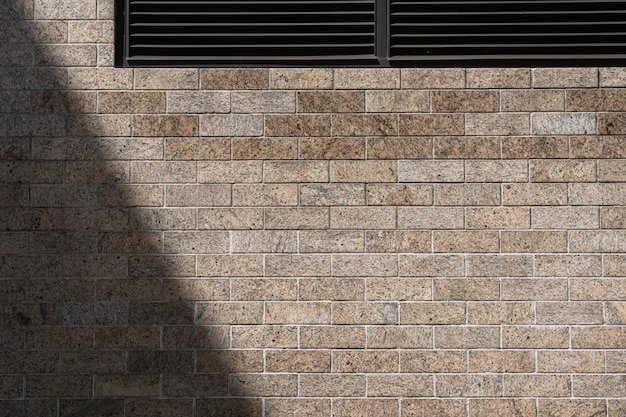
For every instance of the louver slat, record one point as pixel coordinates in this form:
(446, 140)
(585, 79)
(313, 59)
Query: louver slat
(250, 32)
(522, 30)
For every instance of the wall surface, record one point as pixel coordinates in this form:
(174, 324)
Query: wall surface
(304, 242)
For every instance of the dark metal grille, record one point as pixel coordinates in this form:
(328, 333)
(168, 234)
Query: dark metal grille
(507, 30)
(251, 31)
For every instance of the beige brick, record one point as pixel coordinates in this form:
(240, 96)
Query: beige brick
(371, 124)
(461, 337)
(229, 312)
(352, 313)
(229, 360)
(497, 217)
(433, 78)
(85, 125)
(498, 78)
(127, 148)
(565, 77)
(569, 313)
(349, 78)
(332, 148)
(332, 337)
(517, 407)
(534, 289)
(263, 289)
(65, 9)
(331, 385)
(371, 361)
(340, 194)
(570, 361)
(615, 312)
(599, 385)
(126, 385)
(534, 241)
(597, 194)
(532, 100)
(565, 217)
(613, 217)
(362, 217)
(611, 170)
(295, 171)
(433, 361)
(399, 386)
(467, 194)
(265, 195)
(265, 148)
(597, 241)
(431, 124)
(297, 218)
(465, 241)
(300, 78)
(431, 265)
(230, 218)
(297, 125)
(277, 385)
(562, 171)
(564, 123)
(234, 78)
(403, 337)
(363, 171)
(511, 124)
(133, 242)
(597, 289)
(469, 385)
(263, 102)
(598, 337)
(535, 147)
(572, 407)
(131, 102)
(399, 148)
(255, 336)
(534, 194)
(501, 361)
(612, 77)
(568, 265)
(197, 148)
(394, 241)
(301, 361)
(615, 361)
(496, 171)
(148, 125)
(166, 79)
(377, 101)
(432, 313)
(230, 265)
(399, 194)
(616, 406)
(331, 101)
(365, 407)
(319, 289)
(284, 312)
(597, 147)
(297, 265)
(231, 125)
(466, 289)
(264, 241)
(198, 102)
(276, 407)
(399, 289)
(537, 385)
(465, 101)
(430, 218)
(198, 195)
(230, 172)
(467, 147)
(195, 289)
(431, 171)
(51, 101)
(535, 337)
(364, 265)
(162, 218)
(331, 241)
(499, 265)
(595, 100)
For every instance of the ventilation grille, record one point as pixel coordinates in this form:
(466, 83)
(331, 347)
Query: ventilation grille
(231, 32)
(507, 30)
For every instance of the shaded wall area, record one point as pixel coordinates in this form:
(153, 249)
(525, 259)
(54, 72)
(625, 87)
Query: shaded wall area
(303, 242)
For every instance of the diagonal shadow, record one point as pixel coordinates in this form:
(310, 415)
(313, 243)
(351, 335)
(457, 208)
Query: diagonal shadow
(97, 318)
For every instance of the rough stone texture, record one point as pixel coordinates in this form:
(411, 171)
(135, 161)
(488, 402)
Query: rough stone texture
(314, 242)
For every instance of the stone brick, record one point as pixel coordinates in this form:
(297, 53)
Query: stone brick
(235, 407)
(433, 361)
(563, 171)
(597, 147)
(362, 218)
(465, 241)
(534, 289)
(466, 289)
(469, 385)
(131, 102)
(431, 265)
(498, 78)
(394, 241)
(234, 360)
(365, 313)
(278, 312)
(400, 289)
(435, 78)
(259, 289)
(537, 385)
(598, 337)
(230, 265)
(230, 125)
(534, 194)
(332, 148)
(295, 171)
(535, 147)
(569, 313)
(534, 241)
(263, 102)
(565, 124)
(385, 101)
(276, 407)
(49, 386)
(229, 313)
(615, 361)
(430, 218)
(195, 289)
(465, 101)
(597, 241)
(532, 100)
(198, 195)
(615, 312)
(568, 265)
(145, 407)
(501, 361)
(517, 407)
(467, 194)
(197, 148)
(565, 217)
(407, 337)
(484, 147)
(300, 78)
(371, 124)
(400, 386)
(297, 265)
(611, 171)
(431, 171)
(597, 289)
(331, 101)
(431, 124)
(166, 78)
(329, 241)
(198, 102)
(340, 194)
(364, 265)
(349, 78)
(496, 171)
(497, 218)
(332, 337)
(535, 337)
(497, 124)
(603, 194)
(198, 385)
(599, 385)
(230, 218)
(65, 9)
(148, 125)
(319, 289)
(127, 148)
(302, 361)
(565, 77)
(331, 385)
(499, 265)
(570, 361)
(399, 148)
(365, 407)
(265, 195)
(234, 78)
(297, 125)
(432, 313)
(255, 336)
(264, 148)
(371, 361)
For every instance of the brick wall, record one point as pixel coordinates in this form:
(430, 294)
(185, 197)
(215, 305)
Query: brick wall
(304, 242)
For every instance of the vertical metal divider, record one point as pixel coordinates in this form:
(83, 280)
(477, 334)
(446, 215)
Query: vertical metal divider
(382, 32)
